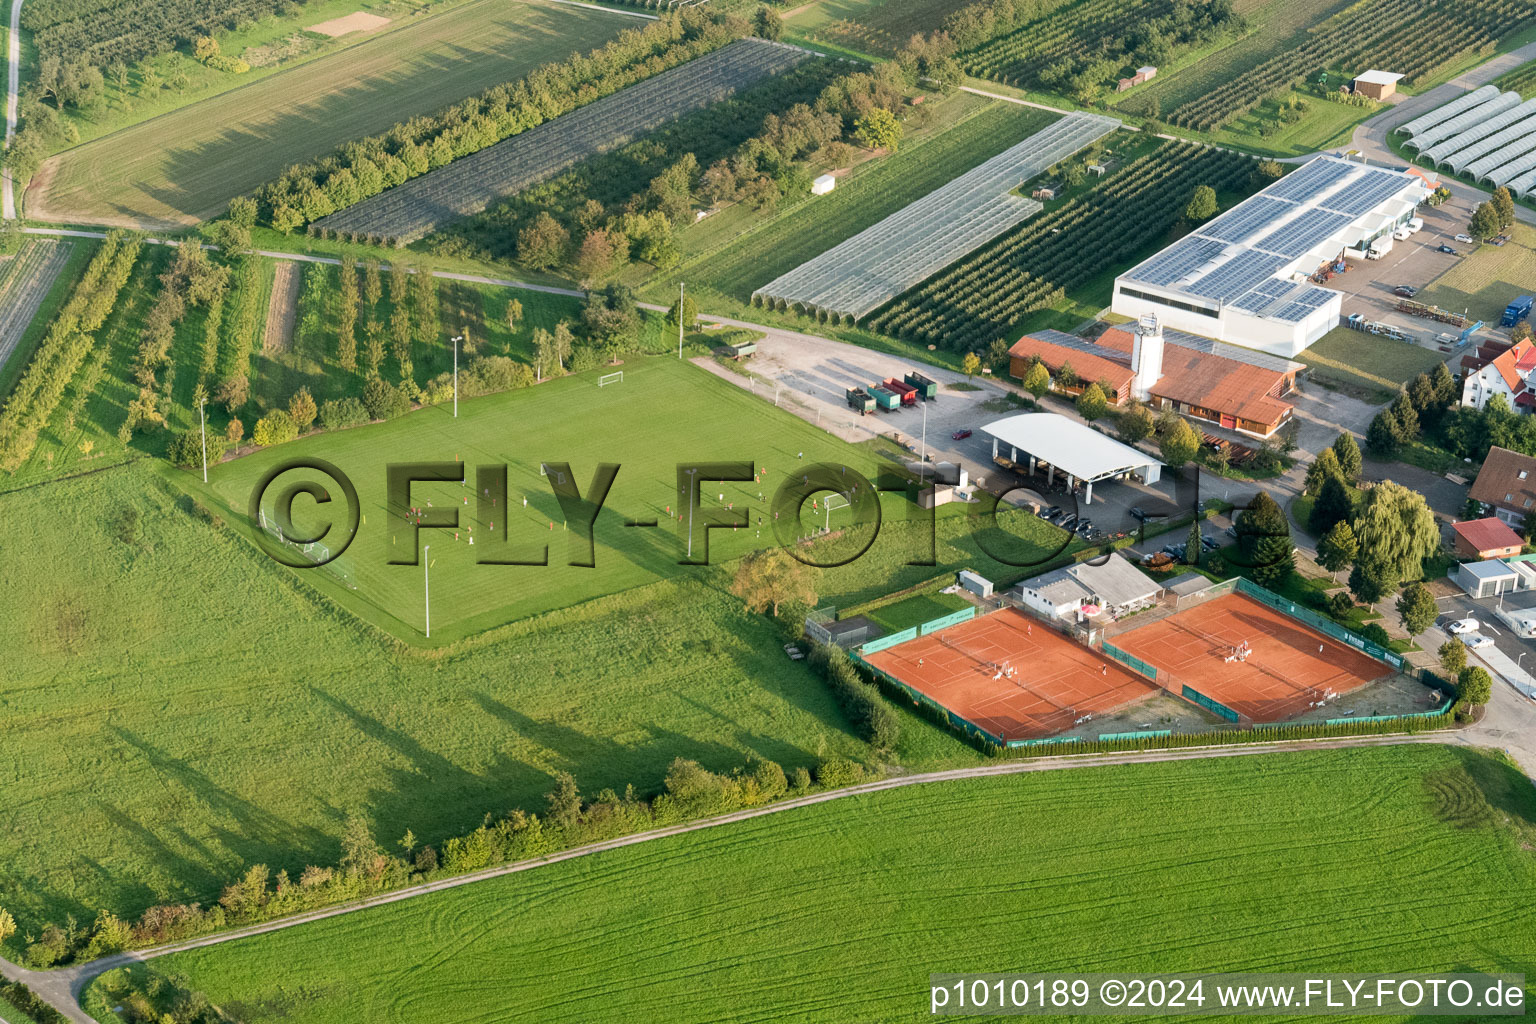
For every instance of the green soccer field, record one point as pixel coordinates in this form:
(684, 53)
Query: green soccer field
(1402, 859)
(666, 413)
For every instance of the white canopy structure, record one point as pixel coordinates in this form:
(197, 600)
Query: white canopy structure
(1449, 110)
(1461, 122)
(1082, 453)
(1475, 140)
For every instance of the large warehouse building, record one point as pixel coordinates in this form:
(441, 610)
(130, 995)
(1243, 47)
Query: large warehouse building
(1244, 276)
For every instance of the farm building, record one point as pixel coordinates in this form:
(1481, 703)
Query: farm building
(1510, 373)
(1083, 455)
(1486, 538)
(1378, 85)
(1115, 586)
(1143, 74)
(1231, 386)
(1243, 277)
(1506, 484)
(1485, 134)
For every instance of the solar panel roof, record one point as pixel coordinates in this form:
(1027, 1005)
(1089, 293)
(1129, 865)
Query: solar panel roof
(1246, 218)
(1310, 180)
(1236, 276)
(1369, 190)
(1300, 235)
(1178, 260)
(1262, 295)
(1299, 307)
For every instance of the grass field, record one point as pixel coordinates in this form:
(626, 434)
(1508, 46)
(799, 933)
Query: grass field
(1484, 281)
(1366, 366)
(838, 912)
(705, 418)
(270, 712)
(734, 266)
(186, 165)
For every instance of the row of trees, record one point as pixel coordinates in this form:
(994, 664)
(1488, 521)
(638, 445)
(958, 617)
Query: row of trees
(104, 32)
(760, 148)
(65, 347)
(367, 167)
(192, 280)
(366, 867)
(1083, 50)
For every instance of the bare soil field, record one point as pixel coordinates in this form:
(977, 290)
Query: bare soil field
(281, 308)
(359, 21)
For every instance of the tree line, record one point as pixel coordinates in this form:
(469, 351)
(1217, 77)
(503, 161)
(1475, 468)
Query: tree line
(413, 147)
(627, 206)
(69, 340)
(366, 867)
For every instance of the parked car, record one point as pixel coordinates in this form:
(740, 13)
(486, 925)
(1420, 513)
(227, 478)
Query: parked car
(1464, 239)
(1209, 543)
(1405, 291)
(1232, 531)
(1067, 523)
(1083, 528)
(1138, 513)
(961, 435)
(1052, 514)
(1448, 249)
(1476, 640)
(1467, 625)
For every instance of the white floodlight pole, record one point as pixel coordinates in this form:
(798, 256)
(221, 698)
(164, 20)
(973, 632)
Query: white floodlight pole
(456, 339)
(679, 319)
(202, 418)
(426, 577)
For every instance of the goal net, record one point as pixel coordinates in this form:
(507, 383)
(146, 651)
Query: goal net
(314, 551)
(616, 377)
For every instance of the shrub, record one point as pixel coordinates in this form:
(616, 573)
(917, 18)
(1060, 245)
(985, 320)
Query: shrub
(1374, 632)
(340, 413)
(838, 771)
(276, 427)
(186, 449)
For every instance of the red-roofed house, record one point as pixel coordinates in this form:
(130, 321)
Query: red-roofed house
(1486, 538)
(1510, 373)
(1235, 387)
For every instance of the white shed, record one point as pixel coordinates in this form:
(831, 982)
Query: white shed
(823, 184)
(975, 583)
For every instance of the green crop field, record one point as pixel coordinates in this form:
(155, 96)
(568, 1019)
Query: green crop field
(610, 673)
(878, 189)
(838, 912)
(186, 165)
(869, 26)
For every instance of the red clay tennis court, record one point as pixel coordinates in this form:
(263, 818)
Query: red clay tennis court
(1012, 676)
(1287, 667)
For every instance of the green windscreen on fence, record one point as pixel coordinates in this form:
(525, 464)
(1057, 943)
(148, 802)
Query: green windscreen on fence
(965, 614)
(1216, 706)
(1130, 661)
(889, 641)
(1043, 742)
(1323, 625)
(1393, 718)
(1107, 736)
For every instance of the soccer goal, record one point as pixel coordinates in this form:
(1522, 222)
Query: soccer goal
(616, 377)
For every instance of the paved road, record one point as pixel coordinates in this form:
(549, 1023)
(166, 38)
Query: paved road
(63, 988)
(12, 87)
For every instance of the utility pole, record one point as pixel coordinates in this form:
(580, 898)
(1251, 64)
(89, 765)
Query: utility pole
(202, 418)
(925, 439)
(456, 339)
(426, 577)
(679, 319)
